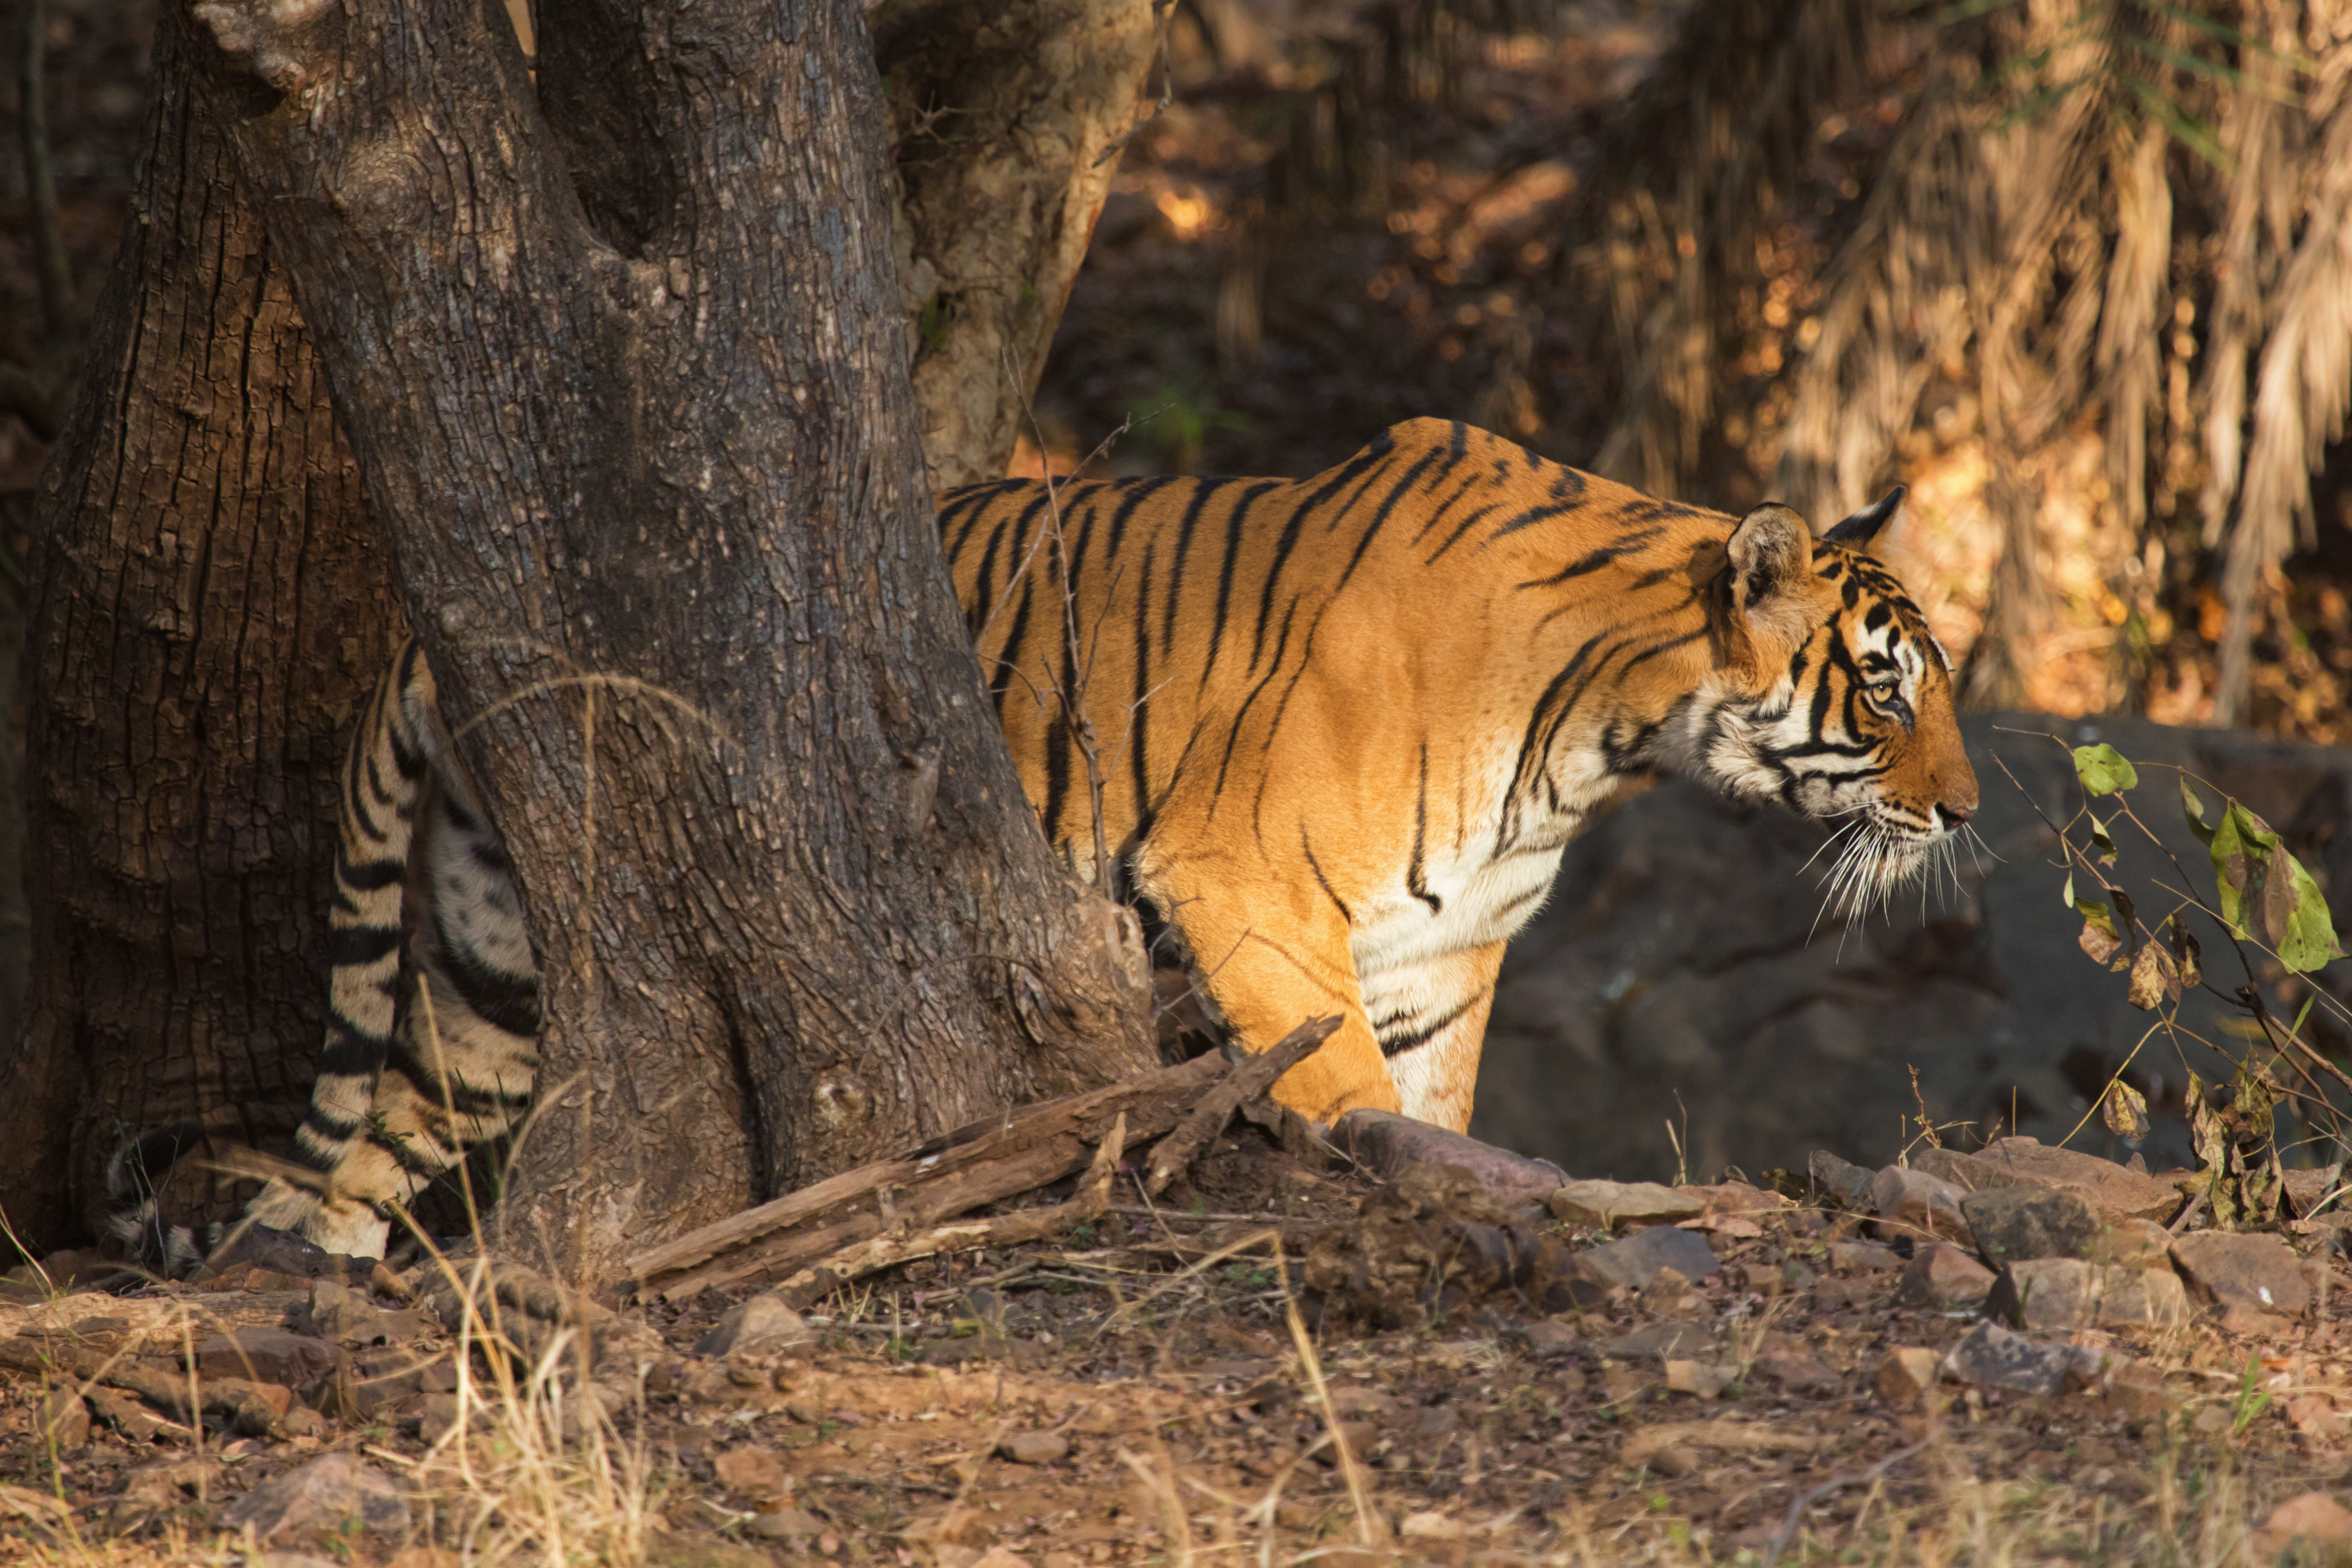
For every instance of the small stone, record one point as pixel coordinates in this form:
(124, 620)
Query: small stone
(2053, 1293)
(267, 1355)
(2314, 1516)
(1993, 1356)
(1696, 1378)
(134, 1421)
(1800, 1373)
(1833, 1177)
(763, 1323)
(755, 1473)
(1036, 1448)
(1604, 1205)
(1941, 1275)
(2237, 1268)
(1917, 1204)
(301, 1422)
(1431, 1526)
(62, 1419)
(2251, 1324)
(2139, 1391)
(1675, 1461)
(1636, 1259)
(1907, 1374)
(1862, 1255)
(786, 1524)
(330, 1493)
(994, 1557)
(1669, 1338)
(2316, 1416)
(2307, 1188)
(2015, 1224)
(435, 1418)
(1550, 1336)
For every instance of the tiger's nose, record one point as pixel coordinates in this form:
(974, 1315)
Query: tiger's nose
(1955, 814)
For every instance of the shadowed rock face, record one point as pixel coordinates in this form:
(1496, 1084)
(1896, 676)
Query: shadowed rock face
(1672, 975)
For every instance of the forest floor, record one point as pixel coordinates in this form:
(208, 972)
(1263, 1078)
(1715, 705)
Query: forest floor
(1148, 1389)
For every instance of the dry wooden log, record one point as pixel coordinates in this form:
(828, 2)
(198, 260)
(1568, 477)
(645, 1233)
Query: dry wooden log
(975, 1165)
(1249, 1078)
(965, 1236)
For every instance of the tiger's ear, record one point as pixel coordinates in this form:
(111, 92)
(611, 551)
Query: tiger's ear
(1856, 531)
(1772, 554)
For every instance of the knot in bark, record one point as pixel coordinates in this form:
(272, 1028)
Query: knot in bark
(286, 44)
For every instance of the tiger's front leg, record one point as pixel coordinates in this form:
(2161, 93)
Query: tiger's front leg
(1269, 966)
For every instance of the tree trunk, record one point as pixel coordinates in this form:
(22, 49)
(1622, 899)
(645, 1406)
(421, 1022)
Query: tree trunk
(211, 603)
(647, 460)
(1008, 122)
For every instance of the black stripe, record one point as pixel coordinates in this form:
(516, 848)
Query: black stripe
(1226, 572)
(497, 997)
(357, 945)
(1595, 561)
(985, 587)
(1346, 475)
(1412, 880)
(1202, 491)
(1233, 731)
(367, 876)
(1467, 525)
(1412, 1039)
(1138, 491)
(1005, 666)
(1321, 880)
(1380, 516)
(1139, 713)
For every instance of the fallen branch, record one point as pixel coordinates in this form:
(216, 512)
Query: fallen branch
(869, 1212)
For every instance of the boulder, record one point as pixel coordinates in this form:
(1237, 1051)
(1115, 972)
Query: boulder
(1677, 972)
(1604, 1205)
(763, 1323)
(1635, 1261)
(2258, 1273)
(2054, 1293)
(334, 1494)
(1909, 1202)
(2011, 1225)
(1997, 1358)
(1941, 1275)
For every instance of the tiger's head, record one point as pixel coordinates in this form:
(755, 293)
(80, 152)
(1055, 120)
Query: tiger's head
(1834, 698)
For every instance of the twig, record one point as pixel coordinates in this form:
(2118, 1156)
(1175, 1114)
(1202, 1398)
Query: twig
(1797, 1508)
(1244, 1083)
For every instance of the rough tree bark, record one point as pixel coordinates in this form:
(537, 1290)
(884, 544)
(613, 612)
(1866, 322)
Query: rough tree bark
(182, 801)
(211, 603)
(1008, 122)
(647, 461)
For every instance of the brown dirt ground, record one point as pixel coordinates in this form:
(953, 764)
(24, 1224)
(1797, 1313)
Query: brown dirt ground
(1158, 1345)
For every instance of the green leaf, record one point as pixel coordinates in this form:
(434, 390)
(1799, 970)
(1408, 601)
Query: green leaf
(2104, 770)
(2194, 810)
(2068, 893)
(2105, 840)
(2301, 930)
(2241, 845)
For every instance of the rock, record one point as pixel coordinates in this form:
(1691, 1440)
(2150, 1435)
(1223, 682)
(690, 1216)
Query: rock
(2050, 1293)
(2313, 1516)
(1941, 1275)
(1863, 1255)
(1833, 1177)
(2252, 1323)
(2132, 1243)
(1549, 1336)
(2307, 1188)
(1667, 962)
(2139, 1391)
(1916, 1202)
(2258, 1272)
(1036, 1448)
(438, 1414)
(1604, 1205)
(1993, 1356)
(755, 1473)
(301, 1422)
(1635, 1261)
(2013, 1225)
(134, 1421)
(332, 1493)
(1431, 1526)
(1800, 1373)
(1693, 1378)
(61, 1420)
(2112, 1190)
(2316, 1416)
(761, 1324)
(267, 1355)
(1390, 1144)
(277, 1252)
(1660, 1339)
(339, 1315)
(1906, 1373)
(785, 1524)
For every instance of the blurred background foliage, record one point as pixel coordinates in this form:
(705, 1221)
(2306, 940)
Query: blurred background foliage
(2079, 272)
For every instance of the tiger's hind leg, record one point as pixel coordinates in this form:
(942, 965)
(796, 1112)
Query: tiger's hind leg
(432, 1047)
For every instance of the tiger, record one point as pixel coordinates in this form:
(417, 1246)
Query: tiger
(1341, 730)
